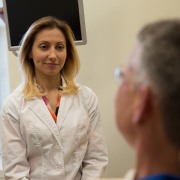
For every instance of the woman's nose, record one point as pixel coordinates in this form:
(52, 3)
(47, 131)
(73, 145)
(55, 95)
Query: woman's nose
(52, 53)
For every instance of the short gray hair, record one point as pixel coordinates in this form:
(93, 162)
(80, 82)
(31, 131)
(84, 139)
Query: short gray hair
(161, 60)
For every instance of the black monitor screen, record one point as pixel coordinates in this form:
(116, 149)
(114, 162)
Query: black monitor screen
(20, 14)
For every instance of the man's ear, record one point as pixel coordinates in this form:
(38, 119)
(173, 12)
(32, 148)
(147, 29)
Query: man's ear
(141, 102)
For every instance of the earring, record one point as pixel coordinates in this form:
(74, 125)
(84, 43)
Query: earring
(30, 58)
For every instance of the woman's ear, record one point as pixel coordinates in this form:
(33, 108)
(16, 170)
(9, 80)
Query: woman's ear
(141, 103)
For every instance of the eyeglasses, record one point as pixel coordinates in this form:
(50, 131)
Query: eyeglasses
(118, 74)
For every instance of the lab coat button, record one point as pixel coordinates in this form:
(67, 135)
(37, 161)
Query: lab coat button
(57, 146)
(58, 168)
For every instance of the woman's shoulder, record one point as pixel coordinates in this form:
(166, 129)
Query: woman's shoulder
(85, 91)
(17, 92)
(87, 97)
(14, 98)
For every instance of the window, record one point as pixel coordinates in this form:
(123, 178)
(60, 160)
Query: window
(4, 72)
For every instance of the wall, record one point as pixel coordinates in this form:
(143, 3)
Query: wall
(111, 29)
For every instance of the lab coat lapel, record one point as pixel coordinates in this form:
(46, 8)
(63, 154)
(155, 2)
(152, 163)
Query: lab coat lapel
(39, 108)
(66, 102)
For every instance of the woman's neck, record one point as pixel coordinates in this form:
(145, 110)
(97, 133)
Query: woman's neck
(49, 84)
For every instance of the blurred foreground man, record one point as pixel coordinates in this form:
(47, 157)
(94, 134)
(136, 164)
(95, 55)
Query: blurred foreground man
(148, 101)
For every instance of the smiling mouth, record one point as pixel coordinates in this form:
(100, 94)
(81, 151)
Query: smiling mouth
(51, 65)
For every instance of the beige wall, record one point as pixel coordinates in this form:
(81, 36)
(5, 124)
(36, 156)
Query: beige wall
(111, 28)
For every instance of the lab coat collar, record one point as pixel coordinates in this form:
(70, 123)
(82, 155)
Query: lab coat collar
(38, 106)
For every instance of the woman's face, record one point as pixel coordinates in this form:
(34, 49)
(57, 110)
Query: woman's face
(49, 52)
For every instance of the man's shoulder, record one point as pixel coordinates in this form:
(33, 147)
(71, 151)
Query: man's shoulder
(161, 177)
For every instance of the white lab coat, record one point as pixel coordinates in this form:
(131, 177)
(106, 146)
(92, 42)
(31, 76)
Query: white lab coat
(35, 147)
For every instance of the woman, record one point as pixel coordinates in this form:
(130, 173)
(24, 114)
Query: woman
(50, 124)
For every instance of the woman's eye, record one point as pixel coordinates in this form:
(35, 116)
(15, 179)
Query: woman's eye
(60, 47)
(43, 46)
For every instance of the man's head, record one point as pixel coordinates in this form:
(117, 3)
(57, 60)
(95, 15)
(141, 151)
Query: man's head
(152, 79)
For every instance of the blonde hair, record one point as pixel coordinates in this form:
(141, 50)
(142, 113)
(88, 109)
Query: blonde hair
(71, 66)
